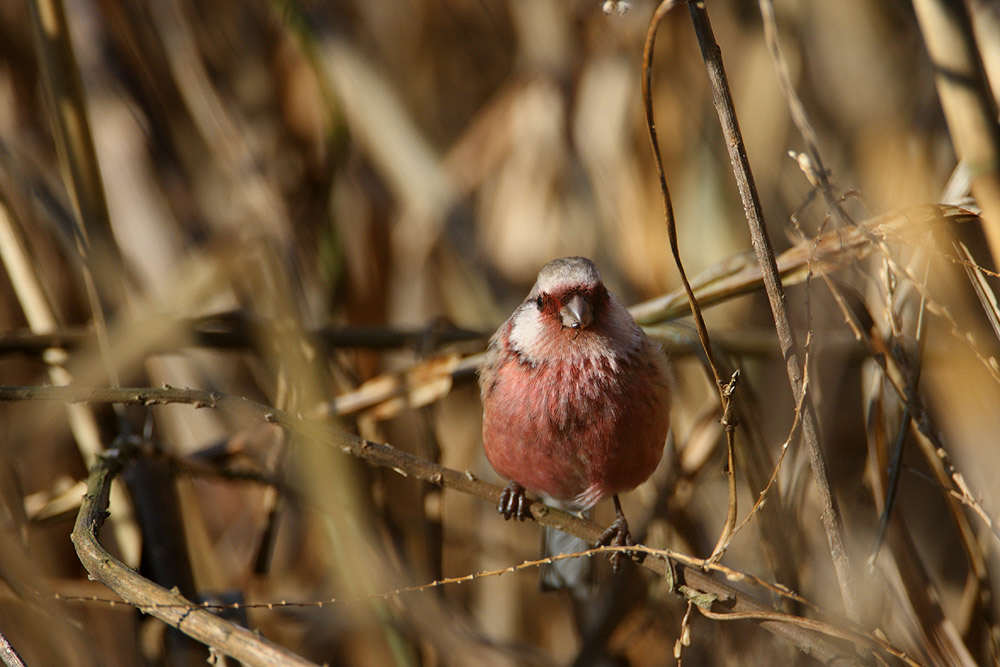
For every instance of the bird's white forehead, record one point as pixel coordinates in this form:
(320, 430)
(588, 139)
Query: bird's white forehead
(566, 271)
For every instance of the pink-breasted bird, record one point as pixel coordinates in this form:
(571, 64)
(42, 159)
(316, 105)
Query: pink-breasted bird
(575, 397)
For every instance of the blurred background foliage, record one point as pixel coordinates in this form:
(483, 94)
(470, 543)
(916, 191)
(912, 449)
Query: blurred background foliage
(271, 169)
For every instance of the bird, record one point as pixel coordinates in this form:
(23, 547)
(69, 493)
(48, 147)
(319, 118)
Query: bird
(575, 404)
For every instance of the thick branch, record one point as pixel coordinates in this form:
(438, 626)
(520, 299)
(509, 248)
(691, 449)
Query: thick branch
(170, 607)
(8, 654)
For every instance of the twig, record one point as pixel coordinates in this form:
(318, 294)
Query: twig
(811, 624)
(684, 636)
(792, 432)
(830, 513)
(729, 425)
(725, 391)
(666, 554)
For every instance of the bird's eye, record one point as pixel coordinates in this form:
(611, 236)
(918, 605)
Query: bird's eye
(539, 302)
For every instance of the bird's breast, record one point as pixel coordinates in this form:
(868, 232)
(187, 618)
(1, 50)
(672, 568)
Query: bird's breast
(576, 429)
(577, 396)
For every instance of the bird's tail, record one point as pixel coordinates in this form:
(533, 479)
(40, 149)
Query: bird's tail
(570, 573)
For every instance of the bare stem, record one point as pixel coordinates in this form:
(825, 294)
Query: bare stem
(790, 350)
(725, 391)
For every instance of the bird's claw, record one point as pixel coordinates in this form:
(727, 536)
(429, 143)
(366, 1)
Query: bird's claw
(618, 535)
(513, 503)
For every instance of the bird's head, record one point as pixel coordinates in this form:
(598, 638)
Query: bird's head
(570, 315)
(568, 291)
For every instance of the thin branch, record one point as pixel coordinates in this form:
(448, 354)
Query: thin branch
(725, 391)
(790, 350)
(732, 510)
(684, 636)
(811, 624)
(676, 557)
(792, 433)
(690, 571)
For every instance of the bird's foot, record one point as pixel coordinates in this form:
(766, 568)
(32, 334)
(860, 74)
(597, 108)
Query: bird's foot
(513, 503)
(618, 535)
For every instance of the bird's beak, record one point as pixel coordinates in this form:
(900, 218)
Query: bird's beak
(576, 312)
